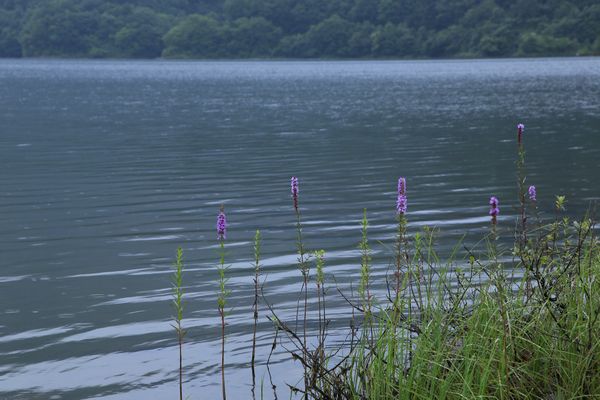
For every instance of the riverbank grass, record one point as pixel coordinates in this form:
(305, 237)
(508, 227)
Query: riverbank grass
(485, 331)
(491, 320)
(518, 322)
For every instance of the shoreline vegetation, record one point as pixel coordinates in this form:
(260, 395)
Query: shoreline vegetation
(490, 321)
(297, 29)
(299, 59)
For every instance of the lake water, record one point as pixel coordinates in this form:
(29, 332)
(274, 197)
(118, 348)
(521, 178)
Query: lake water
(108, 166)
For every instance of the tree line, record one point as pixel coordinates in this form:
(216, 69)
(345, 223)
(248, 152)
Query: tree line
(298, 28)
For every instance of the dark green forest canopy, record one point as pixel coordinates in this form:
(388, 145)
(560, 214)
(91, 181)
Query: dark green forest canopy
(298, 28)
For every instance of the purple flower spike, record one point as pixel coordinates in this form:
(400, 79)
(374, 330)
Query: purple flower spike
(532, 193)
(494, 209)
(401, 186)
(294, 182)
(401, 202)
(221, 225)
(520, 129)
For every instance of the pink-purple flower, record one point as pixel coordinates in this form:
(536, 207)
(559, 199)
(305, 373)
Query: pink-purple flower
(520, 129)
(401, 201)
(532, 193)
(221, 225)
(494, 209)
(294, 183)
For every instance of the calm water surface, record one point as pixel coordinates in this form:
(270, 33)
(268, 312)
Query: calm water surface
(108, 166)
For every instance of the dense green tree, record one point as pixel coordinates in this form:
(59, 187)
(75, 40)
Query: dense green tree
(394, 41)
(308, 13)
(253, 37)
(449, 12)
(395, 11)
(58, 27)
(294, 46)
(498, 43)
(422, 14)
(486, 11)
(583, 26)
(142, 35)
(298, 28)
(235, 9)
(330, 37)
(361, 42)
(447, 42)
(595, 49)
(535, 44)
(9, 43)
(195, 36)
(364, 11)
(9, 34)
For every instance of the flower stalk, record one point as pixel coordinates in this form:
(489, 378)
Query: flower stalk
(223, 291)
(304, 269)
(521, 178)
(401, 247)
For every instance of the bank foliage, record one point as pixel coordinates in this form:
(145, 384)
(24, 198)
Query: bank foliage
(298, 28)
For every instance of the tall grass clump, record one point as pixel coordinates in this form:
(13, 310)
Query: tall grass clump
(476, 334)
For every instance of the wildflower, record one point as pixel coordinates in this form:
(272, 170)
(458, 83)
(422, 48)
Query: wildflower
(520, 129)
(532, 193)
(494, 204)
(294, 181)
(221, 225)
(401, 186)
(401, 202)
(494, 209)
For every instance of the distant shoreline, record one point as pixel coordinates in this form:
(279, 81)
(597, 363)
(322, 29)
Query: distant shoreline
(287, 59)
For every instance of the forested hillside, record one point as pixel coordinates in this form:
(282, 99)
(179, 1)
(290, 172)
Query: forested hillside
(298, 28)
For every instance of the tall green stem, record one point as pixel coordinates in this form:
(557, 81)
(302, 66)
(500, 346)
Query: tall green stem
(255, 307)
(178, 305)
(364, 289)
(222, 299)
(304, 270)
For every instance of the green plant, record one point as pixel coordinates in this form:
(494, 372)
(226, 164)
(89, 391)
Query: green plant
(257, 240)
(178, 317)
(223, 291)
